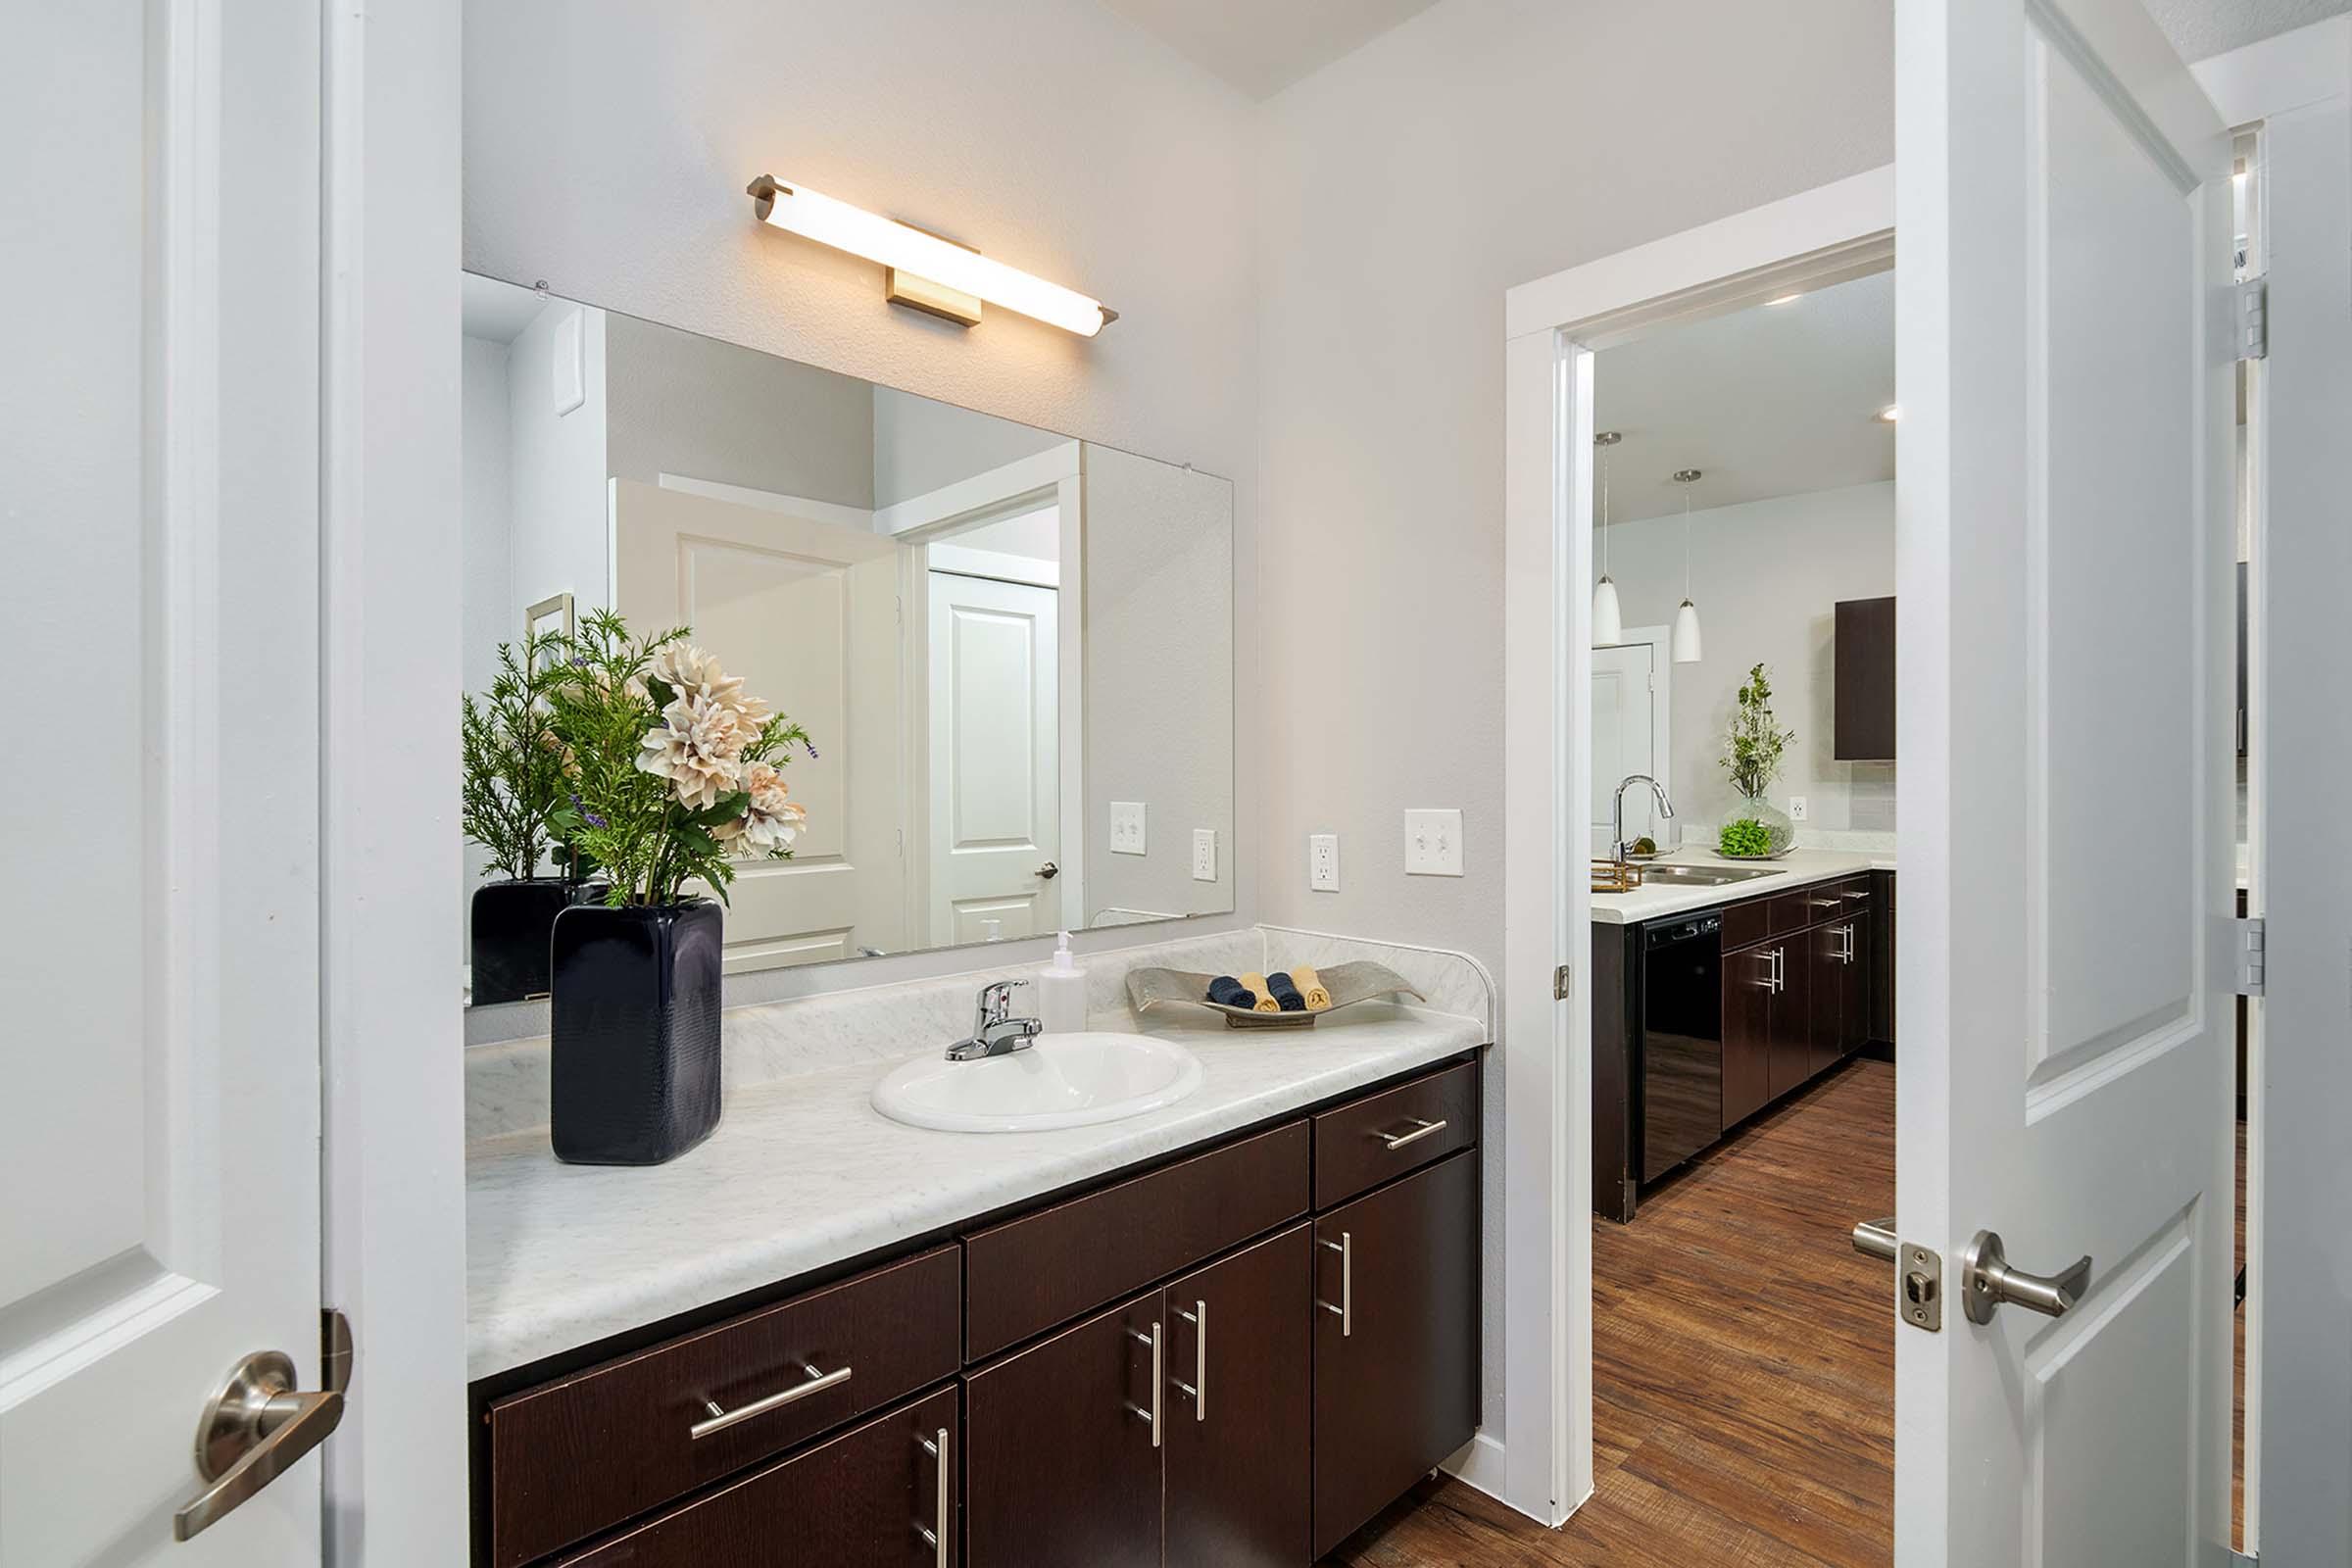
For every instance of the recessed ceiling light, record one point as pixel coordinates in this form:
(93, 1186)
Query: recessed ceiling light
(1785, 299)
(1888, 415)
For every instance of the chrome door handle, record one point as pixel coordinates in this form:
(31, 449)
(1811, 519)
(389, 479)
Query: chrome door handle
(1159, 1376)
(722, 1418)
(1987, 1283)
(1875, 1238)
(1198, 1390)
(1048, 872)
(1346, 1310)
(1421, 1129)
(254, 1428)
(936, 1540)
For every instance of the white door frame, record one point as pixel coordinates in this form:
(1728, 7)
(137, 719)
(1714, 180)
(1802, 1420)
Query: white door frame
(394, 1136)
(1552, 326)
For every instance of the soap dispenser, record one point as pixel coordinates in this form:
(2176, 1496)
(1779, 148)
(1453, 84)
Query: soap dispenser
(1061, 992)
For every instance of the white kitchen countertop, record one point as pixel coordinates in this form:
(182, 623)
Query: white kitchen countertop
(802, 1172)
(1797, 870)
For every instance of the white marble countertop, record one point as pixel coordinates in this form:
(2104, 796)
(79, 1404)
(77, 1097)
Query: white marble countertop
(1799, 869)
(802, 1172)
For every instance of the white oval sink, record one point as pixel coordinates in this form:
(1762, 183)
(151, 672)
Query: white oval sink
(1059, 1081)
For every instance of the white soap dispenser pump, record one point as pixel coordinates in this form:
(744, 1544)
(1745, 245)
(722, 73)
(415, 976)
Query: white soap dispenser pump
(1061, 992)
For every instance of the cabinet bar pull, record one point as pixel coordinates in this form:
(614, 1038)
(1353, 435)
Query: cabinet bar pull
(722, 1418)
(1346, 1310)
(1159, 1377)
(1198, 1388)
(936, 1540)
(1421, 1129)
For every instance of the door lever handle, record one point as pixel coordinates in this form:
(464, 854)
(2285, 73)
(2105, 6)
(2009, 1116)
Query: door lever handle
(254, 1426)
(1987, 1283)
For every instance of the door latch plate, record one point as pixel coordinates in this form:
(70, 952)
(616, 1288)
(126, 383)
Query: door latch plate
(1919, 1288)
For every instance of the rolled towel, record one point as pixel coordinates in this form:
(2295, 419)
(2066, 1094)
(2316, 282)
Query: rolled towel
(1263, 1000)
(1310, 988)
(1286, 995)
(1227, 992)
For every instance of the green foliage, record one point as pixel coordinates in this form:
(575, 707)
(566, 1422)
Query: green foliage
(1744, 839)
(512, 764)
(1755, 740)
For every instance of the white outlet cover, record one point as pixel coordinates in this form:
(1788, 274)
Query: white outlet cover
(1205, 855)
(1323, 863)
(1127, 833)
(1796, 808)
(1432, 843)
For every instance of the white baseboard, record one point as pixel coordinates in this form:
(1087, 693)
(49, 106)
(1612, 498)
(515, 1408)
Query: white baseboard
(1478, 1464)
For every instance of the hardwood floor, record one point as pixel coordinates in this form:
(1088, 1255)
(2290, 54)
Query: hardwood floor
(1743, 1362)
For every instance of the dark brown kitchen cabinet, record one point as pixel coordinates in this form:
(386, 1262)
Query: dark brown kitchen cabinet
(1863, 685)
(1791, 1035)
(879, 1495)
(1238, 1404)
(1396, 1331)
(1838, 958)
(1060, 1469)
(1749, 984)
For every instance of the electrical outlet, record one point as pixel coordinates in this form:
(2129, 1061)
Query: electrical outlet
(1432, 843)
(1796, 808)
(1323, 863)
(1205, 855)
(1127, 835)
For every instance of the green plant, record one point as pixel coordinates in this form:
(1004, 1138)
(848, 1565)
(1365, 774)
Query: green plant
(512, 764)
(676, 772)
(1755, 740)
(1744, 839)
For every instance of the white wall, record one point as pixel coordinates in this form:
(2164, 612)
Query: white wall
(555, 467)
(1766, 576)
(487, 609)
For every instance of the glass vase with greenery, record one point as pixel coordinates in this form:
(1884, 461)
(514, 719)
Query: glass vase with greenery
(1753, 744)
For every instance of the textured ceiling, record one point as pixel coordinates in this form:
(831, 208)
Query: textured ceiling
(1262, 46)
(1771, 401)
(2202, 28)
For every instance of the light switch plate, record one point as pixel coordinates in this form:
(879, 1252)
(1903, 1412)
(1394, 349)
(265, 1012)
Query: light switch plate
(1796, 808)
(1127, 836)
(1205, 855)
(1323, 863)
(1432, 843)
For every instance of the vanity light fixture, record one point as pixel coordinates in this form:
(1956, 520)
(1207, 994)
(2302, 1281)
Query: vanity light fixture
(927, 273)
(1686, 619)
(1608, 621)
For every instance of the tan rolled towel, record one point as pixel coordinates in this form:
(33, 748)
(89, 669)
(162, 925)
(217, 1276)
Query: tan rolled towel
(1263, 998)
(1310, 986)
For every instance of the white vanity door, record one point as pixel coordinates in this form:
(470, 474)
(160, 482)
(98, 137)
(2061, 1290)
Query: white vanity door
(159, 819)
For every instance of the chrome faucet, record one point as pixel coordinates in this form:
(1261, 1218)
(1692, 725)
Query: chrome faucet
(1617, 810)
(995, 1032)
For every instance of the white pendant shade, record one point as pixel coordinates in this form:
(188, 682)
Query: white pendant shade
(1609, 626)
(1686, 634)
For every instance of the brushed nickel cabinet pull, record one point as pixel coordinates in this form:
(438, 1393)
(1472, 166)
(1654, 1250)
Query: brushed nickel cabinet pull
(1198, 1388)
(936, 1540)
(722, 1418)
(1346, 1310)
(1159, 1376)
(1421, 1129)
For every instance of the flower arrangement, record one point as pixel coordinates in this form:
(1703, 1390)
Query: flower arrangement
(673, 770)
(513, 765)
(1753, 743)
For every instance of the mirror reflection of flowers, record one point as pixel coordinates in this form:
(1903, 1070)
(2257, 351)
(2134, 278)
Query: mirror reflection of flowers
(513, 767)
(676, 769)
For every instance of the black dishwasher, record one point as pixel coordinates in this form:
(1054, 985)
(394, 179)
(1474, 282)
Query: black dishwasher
(1682, 1039)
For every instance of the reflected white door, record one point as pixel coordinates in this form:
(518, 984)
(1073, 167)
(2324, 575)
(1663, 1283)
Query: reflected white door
(159, 952)
(1627, 733)
(2065, 566)
(806, 612)
(995, 762)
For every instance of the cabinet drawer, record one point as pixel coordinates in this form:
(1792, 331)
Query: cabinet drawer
(1028, 1274)
(860, 1501)
(1745, 924)
(1364, 1144)
(586, 1451)
(1806, 907)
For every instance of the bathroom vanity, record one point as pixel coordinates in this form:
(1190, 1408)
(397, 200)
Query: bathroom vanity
(1235, 1349)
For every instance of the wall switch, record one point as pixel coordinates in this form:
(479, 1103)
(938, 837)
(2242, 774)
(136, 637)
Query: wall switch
(1127, 835)
(1205, 855)
(1432, 843)
(1796, 808)
(1323, 863)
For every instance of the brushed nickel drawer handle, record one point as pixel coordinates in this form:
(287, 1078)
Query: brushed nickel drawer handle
(1198, 1390)
(936, 1540)
(1346, 1310)
(1421, 1129)
(1160, 1372)
(722, 1418)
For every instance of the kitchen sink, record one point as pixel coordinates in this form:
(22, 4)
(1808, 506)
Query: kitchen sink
(1704, 876)
(1073, 1080)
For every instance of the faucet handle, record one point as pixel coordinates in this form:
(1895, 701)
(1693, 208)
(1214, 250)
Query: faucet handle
(996, 1003)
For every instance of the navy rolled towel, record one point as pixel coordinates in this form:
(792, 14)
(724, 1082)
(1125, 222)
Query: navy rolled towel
(1286, 993)
(1227, 992)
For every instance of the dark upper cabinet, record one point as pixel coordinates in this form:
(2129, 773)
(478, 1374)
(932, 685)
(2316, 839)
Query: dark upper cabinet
(1865, 680)
(1238, 1404)
(1395, 1341)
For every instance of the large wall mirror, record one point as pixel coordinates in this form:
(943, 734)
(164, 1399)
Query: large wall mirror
(1012, 650)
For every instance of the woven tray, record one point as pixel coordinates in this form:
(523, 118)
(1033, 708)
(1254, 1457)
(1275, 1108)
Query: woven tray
(1348, 982)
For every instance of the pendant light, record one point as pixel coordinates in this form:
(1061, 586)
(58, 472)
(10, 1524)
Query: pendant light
(1608, 623)
(1686, 619)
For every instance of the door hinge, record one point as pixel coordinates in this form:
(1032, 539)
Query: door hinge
(2251, 963)
(2254, 318)
(1563, 983)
